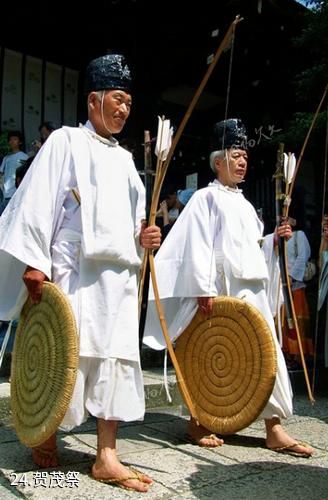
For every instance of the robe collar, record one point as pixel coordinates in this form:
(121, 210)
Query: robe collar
(89, 128)
(222, 187)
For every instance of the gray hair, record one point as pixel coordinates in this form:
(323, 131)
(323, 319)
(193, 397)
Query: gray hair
(99, 93)
(214, 155)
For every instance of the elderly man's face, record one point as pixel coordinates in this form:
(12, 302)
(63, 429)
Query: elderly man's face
(232, 168)
(110, 112)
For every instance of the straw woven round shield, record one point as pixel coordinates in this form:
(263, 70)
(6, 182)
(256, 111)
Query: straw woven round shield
(44, 366)
(228, 363)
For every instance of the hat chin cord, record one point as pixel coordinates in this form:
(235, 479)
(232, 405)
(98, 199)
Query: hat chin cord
(102, 112)
(228, 167)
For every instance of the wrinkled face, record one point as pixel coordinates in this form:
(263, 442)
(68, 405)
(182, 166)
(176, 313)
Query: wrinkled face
(109, 112)
(231, 169)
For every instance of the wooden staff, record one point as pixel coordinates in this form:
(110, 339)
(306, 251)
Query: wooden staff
(145, 270)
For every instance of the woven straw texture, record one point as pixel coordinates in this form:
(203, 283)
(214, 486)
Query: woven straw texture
(44, 366)
(229, 364)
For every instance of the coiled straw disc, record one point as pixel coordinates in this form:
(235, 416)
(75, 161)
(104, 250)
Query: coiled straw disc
(44, 366)
(229, 364)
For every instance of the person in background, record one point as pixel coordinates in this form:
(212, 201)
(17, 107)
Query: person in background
(9, 165)
(45, 129)
(68, 230)
(169, 196)
(21, 171)
(130, 145)
(298, 253)
(170, 215)
(183, 196)
(323, 283)
(213, 249)
(323, 252)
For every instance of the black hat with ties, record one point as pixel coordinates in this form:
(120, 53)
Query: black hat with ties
(228, 134)
(108, 72)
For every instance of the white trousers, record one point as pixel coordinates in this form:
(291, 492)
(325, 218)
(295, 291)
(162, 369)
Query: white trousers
(106, 387)
(111, 389)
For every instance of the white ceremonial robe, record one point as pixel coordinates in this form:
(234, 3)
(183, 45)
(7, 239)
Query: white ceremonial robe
(213, 249)
(91, 251)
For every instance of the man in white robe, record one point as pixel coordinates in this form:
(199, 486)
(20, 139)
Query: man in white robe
(78, 219)
(214, 249)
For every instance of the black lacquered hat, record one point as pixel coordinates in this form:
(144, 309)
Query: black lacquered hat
(229, 133)
(108, 72)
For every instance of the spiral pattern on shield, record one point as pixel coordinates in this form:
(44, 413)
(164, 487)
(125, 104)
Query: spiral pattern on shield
(44, 366)
(229, 364)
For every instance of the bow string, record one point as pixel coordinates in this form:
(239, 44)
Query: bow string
(164, 157)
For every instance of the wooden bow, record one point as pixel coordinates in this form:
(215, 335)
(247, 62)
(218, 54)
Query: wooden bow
(283, 201)
(223, 46)
(161, 169)
(282, 205)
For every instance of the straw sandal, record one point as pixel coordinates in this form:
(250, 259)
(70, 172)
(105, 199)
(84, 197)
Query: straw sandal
(288, 450)
(198, 440)
(117, 481)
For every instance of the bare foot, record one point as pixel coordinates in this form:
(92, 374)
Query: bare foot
(202, 436)
(279, 440)
(107, 467)
(45, 455)
(114, 472)
(296, 449)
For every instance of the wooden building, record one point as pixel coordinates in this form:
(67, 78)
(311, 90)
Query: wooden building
(41, 73)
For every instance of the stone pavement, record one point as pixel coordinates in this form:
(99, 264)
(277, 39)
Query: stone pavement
(242, 469)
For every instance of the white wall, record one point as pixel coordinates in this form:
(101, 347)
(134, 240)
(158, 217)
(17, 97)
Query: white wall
(11, 92)
(23, 110)
(32, 100)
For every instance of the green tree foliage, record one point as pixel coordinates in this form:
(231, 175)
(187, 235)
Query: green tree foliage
(313, 42)
(312, 78)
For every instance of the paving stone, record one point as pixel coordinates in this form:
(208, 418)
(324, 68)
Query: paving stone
(242, 469)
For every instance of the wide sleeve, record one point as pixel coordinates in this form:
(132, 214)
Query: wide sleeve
(272, 285)
(185, 264)
(27, 226)
(138, 202)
